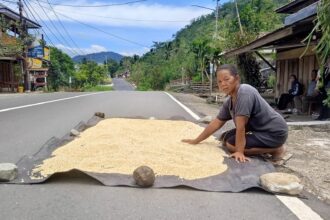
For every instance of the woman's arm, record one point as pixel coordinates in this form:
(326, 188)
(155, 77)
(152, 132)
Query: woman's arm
(214, 125)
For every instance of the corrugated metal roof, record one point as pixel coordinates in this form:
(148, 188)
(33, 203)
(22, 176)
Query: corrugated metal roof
(16, 17)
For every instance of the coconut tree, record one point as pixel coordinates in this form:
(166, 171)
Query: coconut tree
(201, 48)
(323, 46)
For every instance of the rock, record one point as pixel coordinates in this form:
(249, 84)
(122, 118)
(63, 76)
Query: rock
(206, 119)
(8, 172)
(281, 183)
(210, 100)
(144, 176)
(100, 114)
(152, 118)
(74, 132)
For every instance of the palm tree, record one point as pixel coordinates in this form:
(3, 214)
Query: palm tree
(201, 48)
(323, 46)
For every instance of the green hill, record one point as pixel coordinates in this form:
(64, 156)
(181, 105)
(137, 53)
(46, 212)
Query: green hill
(196, 45)
(98, 57)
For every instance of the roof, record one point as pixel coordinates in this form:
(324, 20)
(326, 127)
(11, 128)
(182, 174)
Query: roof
(16, 17)
(294, 6)
(289, 36)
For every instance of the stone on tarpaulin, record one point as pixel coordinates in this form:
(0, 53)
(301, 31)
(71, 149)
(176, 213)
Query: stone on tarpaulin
(100, 114)
(281, 183)
(74, 132)
(144, 176)
(8, 172)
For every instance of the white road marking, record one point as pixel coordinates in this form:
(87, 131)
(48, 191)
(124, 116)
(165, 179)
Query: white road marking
(47, 102)
(300, 209)
(195, 116)
(295, 205)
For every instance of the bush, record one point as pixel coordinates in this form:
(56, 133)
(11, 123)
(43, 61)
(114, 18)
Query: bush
(271, 81)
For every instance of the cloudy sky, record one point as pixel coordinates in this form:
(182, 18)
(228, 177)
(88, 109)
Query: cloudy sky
(111, 25)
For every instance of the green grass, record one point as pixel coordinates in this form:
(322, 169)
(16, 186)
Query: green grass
(98, 88)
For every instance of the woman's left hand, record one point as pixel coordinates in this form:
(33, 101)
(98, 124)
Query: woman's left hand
(240, 157)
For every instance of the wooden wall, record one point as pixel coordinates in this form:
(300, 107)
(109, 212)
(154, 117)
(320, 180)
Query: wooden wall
(7, 77)
(289, 62)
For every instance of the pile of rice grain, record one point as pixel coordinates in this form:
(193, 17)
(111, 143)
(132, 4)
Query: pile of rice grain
(121, 145)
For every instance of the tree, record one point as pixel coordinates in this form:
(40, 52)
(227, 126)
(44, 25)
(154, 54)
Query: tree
(193, 47)
(201, 48)
(112, 66)
(89, 74)
(12, 46)
(323, 46)
(61, 68)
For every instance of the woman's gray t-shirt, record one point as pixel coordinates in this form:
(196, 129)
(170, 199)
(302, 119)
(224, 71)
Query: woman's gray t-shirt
(262, 117)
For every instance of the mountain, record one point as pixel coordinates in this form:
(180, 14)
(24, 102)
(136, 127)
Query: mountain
(98, 57)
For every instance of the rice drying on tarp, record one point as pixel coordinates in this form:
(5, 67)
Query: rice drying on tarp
(110, 149)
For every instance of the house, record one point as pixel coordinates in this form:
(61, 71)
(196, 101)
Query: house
(292, 54)
(11, 62)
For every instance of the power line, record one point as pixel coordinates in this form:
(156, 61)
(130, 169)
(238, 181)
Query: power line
(70, 48)
(95, 6)
(128, 19)
(61, 35)
(8, 1)
(139, 20)
(100, 30)
(59, 20)
(15, 3)
(37, 21)
(110, 34)
(34, 12)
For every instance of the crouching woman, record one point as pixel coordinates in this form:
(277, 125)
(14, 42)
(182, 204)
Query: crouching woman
(259, 128)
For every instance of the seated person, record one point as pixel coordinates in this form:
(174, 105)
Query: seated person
(295, 90)
(323, 89)
(302, 102)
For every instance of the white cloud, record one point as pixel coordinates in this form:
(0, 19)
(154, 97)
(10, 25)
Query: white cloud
(134, 15)
(71, 51)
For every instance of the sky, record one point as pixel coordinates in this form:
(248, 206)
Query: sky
(126, 29)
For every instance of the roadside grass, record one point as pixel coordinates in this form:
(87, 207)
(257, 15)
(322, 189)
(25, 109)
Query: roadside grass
(98, 88)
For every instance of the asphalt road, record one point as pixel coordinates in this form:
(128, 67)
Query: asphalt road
(122, 85)
(25, 129)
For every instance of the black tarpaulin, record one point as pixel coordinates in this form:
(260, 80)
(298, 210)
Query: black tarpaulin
(237, 177)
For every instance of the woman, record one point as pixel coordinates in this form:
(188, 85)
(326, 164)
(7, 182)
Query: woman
(295, 90)
(259, 128)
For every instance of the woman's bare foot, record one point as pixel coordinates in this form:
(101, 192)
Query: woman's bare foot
(278, 153)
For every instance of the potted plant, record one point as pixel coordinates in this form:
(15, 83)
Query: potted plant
(20, 88)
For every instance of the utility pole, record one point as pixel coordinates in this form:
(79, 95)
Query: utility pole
(215, 36)
(238, 18)
(23, 32)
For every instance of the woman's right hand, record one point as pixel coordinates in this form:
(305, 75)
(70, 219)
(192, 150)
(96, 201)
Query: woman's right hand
(190, 141)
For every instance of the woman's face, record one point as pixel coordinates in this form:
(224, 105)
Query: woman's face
(227, 82)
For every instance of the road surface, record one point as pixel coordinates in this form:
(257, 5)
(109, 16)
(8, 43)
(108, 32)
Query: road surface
(29, 120)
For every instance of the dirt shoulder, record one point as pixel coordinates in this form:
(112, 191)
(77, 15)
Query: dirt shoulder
(309, 146)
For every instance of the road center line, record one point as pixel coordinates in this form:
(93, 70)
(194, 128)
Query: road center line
(195, 116)
(47, 102)
(295, 205)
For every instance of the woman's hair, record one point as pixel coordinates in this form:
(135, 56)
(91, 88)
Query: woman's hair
(231, 68)
(294, 76)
